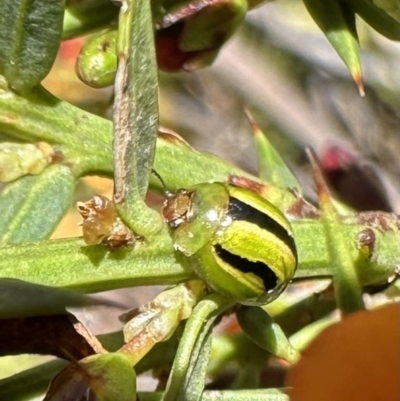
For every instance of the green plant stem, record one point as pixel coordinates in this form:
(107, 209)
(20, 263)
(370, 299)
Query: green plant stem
(196, 331)
(70, 263)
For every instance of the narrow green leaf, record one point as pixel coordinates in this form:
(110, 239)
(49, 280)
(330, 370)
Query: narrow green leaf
(197, 374)
(30, 34)
(336, 20)
(272, 168)
(135, 117)
(377, 18)
(33, 205)
(260, 328)
(21, 299)
(345, 278)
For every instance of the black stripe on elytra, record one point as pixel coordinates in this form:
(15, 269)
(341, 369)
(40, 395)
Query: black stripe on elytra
(260, 269)
(239, 210)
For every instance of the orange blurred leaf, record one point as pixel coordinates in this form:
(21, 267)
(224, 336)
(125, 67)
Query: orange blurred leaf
(355, 359)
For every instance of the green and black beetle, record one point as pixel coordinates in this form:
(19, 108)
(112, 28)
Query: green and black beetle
(236, 241)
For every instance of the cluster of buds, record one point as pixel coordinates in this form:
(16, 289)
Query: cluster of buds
(188, 36)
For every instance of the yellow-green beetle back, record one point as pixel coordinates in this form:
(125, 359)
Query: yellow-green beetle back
(246, 250)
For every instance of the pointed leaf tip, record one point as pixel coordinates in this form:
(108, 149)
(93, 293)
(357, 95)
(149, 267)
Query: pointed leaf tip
(359, 82)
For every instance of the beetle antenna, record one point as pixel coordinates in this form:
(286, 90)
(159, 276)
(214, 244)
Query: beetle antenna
(167, 193)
